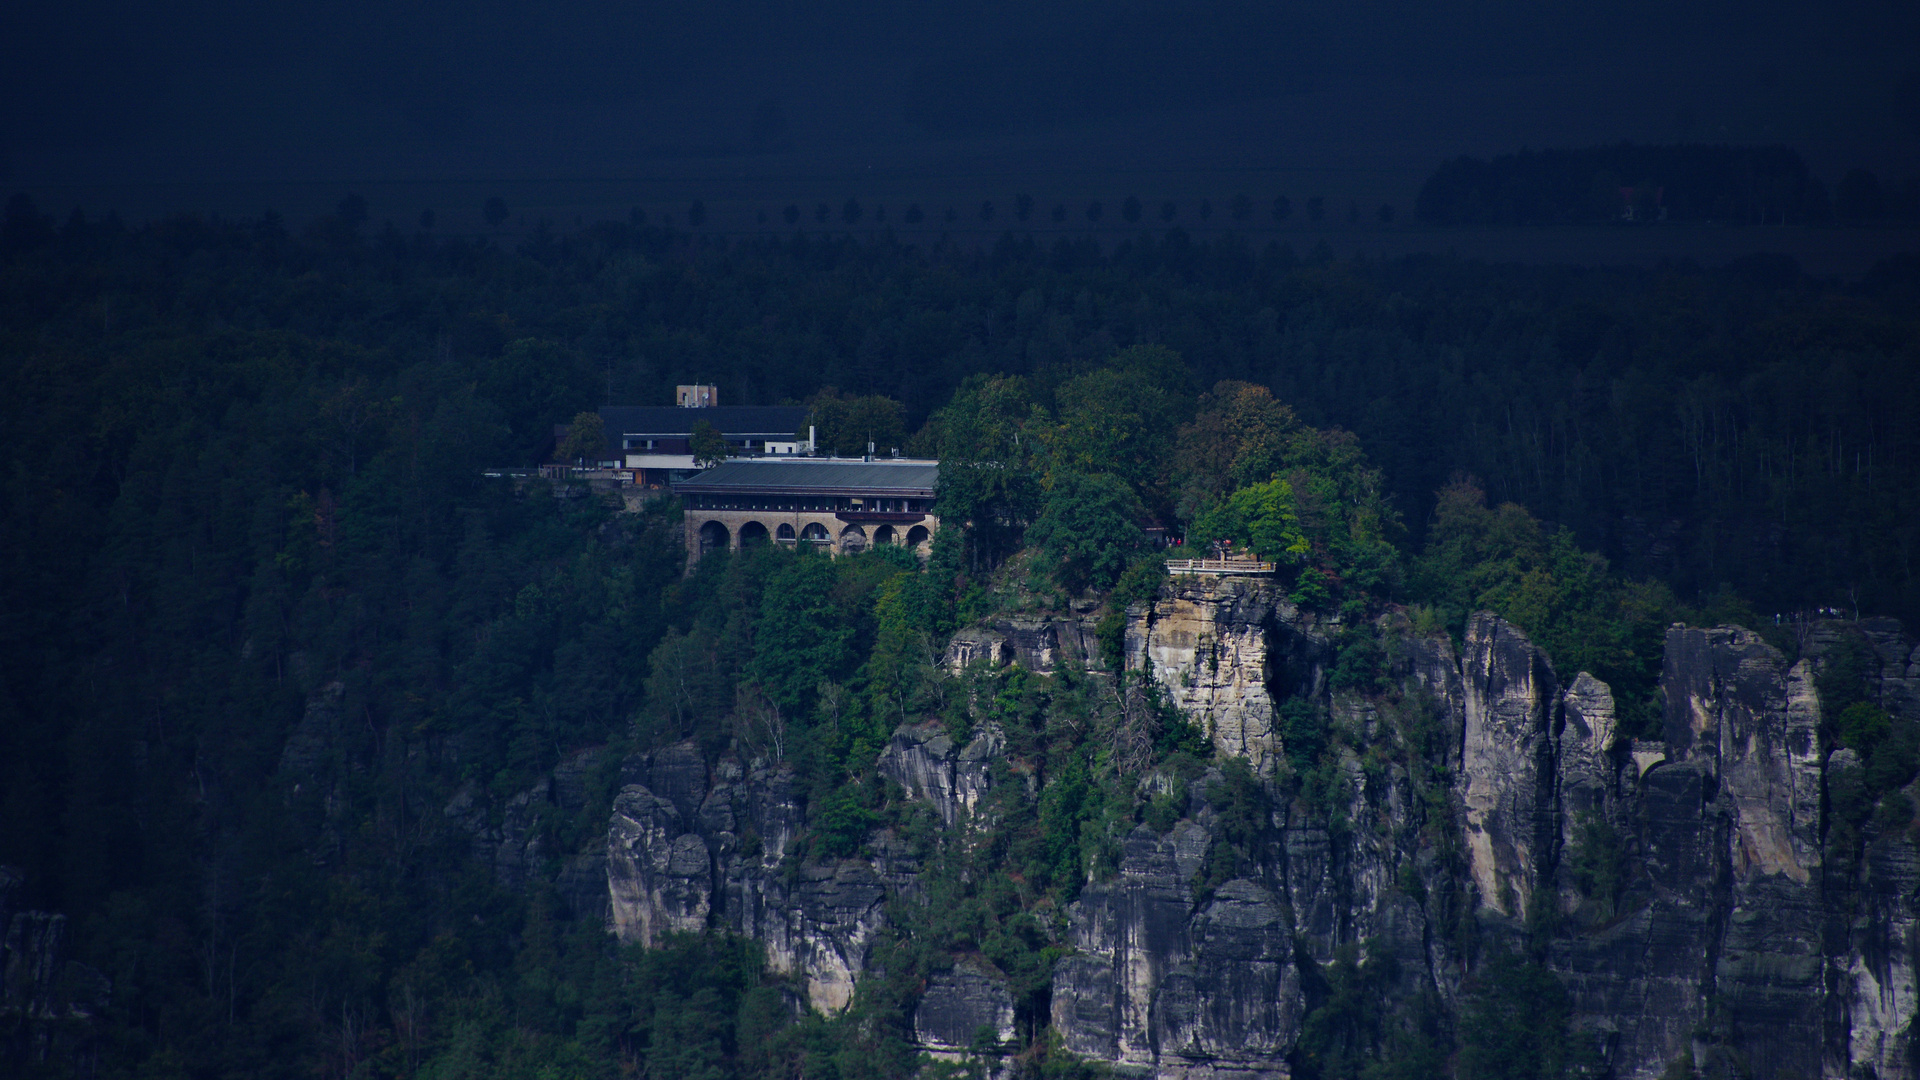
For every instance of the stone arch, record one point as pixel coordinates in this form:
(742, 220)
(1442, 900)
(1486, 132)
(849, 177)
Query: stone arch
(785, 533)
(884, 536)
(714, 537)
(917, 537)
(815, 533)
(753, 534)
(853, 540)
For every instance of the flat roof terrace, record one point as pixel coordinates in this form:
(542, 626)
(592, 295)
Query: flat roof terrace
(912, 479)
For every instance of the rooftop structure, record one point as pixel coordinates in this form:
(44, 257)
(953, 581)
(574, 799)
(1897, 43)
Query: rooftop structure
(842, 505)
(653, 439)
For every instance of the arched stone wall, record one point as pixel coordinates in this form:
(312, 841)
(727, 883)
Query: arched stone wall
(711, 529)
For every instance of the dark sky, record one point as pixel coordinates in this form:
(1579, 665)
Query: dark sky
(572, 104)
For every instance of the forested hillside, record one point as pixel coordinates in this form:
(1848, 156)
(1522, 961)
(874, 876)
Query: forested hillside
(306, 725)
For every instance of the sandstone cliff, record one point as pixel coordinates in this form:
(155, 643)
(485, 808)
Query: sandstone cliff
(1691, 893)
(48, 1001)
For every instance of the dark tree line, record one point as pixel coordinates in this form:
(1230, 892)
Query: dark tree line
(1766, 184)
(1747, 427)
(263, 620)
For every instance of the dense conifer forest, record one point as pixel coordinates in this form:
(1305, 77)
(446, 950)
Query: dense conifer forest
(245, 473)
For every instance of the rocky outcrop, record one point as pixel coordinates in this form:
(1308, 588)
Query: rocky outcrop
(513, 841)
(928, 765)
(688, 852)
(1718, 938)
(1226, 651)
(1588, 765)
(47, 1000)
(1875, 977)
(968, 1009)
(314, 737)
(1036, 642)
(1748, 727)
(1183, 988)
(1690, 891)
(1507, 770)
(975, 646)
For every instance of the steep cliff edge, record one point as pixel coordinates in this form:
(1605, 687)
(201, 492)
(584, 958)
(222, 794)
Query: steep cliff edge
(48, 1001)
(1692, 894)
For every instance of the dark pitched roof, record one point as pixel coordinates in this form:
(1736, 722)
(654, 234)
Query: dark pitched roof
(815, 477)
(779, 421)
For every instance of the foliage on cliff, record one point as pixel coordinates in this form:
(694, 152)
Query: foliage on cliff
(276, 658)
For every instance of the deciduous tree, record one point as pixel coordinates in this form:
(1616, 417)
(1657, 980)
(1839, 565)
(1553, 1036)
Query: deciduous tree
(709, 446)
(586, 439)
(1086, 530)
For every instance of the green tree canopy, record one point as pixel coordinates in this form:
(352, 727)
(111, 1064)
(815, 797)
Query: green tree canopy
(800, 640)
(1086, 530)
(1120, 420)
(709, 446)
(1502, 559)
(1238, 436)
(586, 439)
(844, 424)
(1242, 438)
(536, 383)
(989, 481)
(1261, 518)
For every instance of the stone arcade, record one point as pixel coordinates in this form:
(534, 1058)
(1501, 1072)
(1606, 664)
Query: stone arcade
(840, 505)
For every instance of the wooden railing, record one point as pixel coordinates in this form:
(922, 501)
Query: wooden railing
(1220, 566)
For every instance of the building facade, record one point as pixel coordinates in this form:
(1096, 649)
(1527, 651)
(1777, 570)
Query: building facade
(653, 441)
(839, 505)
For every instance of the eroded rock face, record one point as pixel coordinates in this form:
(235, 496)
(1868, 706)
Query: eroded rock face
(1749, 725)
(1035, 642)
(1702, 905)
(47, 1000)
(313, 738)
(1590, 769)
(511, 841)
(1159, 983)
(962, 1005)
(1729, 936)
(977, 646)
(1225, 650)
(687, 852)
(928, 765)
(1876, 975)
(1509, 698)
(659, 873)
(1186, 983)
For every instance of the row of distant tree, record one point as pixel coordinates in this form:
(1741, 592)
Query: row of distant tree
(1759, 185)
(1640, 185)
(1242, 210)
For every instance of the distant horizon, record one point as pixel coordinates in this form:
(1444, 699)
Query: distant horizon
(1827, 249)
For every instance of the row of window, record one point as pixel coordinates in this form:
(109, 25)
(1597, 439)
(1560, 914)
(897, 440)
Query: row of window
(681, 445)
(792, 504)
